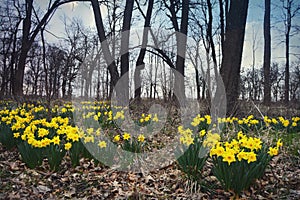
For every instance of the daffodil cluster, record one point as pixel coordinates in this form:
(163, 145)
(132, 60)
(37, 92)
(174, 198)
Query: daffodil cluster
(248, 121)
(198, 130)
(242, 148)
(211, 139)
(146, 119)
(199, 119)
(186, 136)
(128, 142)
(237, 163)
(281, 121)
(126, 137)
(36, 126)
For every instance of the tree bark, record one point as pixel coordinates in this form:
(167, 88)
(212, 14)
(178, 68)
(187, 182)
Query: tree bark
(210, 37)
(181, 40)
(233, 43)
(287, 48)
(140, 65)
(222, 25)
(19, 75)
(125, 50)
(28, 38)
(112, 67)
(267, 53)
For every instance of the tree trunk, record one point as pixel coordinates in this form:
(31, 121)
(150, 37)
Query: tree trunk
(140, 65)
(125, 51)
(19, 75)
(181, 39)
(287, 69)
(28, 37)
(197, 83)
(222, 25)
(13, 59)
(287, 46)
(112, 67)
(210, 37)
(232, 57)
(267, 53)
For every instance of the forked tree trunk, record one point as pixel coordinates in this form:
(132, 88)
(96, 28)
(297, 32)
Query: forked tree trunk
(112, 67)
(140, 65)
(125, 52)
(28, 37)
(19, 75)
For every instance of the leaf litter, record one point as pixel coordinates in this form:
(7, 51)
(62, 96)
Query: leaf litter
(91, 181)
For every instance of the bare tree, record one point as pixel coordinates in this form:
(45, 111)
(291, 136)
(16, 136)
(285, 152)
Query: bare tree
(29, 32)
(181, 41)
(140, 65)
(267, 53)
(109, 59)
(82, 50)
(11, 12)
(56, 58)
(34, 72)
(276, 78)
(222, 24)
(194, 57)
(125, 48)
(109, 55)
(291, 9)
(233, 43)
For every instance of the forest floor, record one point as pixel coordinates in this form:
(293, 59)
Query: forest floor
(87, 181)
(90, 181)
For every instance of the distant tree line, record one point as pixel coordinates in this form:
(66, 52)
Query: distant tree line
(252, 83)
